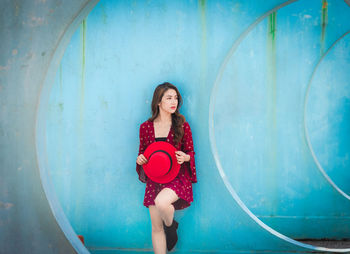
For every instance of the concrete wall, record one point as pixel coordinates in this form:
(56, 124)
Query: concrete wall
(266, 91)
(31, 33)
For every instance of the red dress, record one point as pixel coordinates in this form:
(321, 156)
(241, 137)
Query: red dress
(182, 184)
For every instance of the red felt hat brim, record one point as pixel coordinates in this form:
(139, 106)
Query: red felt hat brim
(175, 168)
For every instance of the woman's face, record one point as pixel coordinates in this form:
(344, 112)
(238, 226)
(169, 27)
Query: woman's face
(169, 101)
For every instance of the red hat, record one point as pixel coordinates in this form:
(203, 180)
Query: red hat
(162, 166)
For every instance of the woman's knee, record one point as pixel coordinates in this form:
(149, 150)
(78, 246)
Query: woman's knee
(157, 228)
(161, 205)
(156, 220)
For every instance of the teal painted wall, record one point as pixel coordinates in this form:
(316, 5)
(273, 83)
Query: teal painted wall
(266, 91)
(257, 95)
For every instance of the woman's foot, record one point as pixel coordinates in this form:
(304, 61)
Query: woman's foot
(171, 234)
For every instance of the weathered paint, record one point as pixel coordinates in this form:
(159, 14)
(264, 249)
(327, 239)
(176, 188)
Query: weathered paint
(81, 131)
(60, 73)
(83, 52)
(321, 92)
(242, 145)
(103, 14)
(5, 205)
(32, 223)
(266, 196)
(271, 107)
(272, 26)
(324, 22)
(203, 49)
(137, 67)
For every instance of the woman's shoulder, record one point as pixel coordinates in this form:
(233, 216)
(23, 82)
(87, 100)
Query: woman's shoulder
(186, 125)
(146, 124)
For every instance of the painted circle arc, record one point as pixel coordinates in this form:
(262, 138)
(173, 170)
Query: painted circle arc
(55, 65)
(258, 135)
(326, 115)
(41, 148)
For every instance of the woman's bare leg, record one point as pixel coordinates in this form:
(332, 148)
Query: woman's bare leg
(158, 235)
(163, 202)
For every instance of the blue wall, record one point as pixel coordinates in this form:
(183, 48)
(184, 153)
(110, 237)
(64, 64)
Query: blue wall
(266, 92)
(257, 96)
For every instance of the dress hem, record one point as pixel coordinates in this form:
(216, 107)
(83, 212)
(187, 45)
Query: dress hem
(178, 204)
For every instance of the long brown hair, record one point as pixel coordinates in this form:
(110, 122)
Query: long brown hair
(177, 119)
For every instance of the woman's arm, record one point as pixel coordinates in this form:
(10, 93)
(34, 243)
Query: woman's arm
(142, 148)
(189, 150)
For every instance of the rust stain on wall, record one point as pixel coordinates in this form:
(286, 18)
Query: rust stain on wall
(82, 85)
(4, 205)
(104, 14)
(60, 73)
(17, 7)
(204, 61)
(271, 173)
(271, 65)
(324, 22)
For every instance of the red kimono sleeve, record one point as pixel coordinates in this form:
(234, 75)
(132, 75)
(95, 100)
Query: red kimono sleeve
(188, 149)
(142, 148)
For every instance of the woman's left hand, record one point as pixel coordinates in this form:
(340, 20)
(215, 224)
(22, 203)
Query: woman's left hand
(181, 157)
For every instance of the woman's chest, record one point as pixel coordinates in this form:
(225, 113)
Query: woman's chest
(149, 136)
(161, 130)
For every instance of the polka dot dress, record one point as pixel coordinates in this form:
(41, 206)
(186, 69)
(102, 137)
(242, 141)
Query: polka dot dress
(182, 184)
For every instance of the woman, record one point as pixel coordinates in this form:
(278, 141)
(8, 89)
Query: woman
(167, 124)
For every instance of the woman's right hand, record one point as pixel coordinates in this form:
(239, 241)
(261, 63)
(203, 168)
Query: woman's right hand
(141, 159)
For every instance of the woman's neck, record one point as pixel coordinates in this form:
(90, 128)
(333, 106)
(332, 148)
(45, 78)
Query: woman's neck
(163, 117)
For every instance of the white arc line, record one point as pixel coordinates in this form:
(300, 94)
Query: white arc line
(215, 152)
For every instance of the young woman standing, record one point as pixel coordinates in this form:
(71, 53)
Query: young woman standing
(167, 124)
